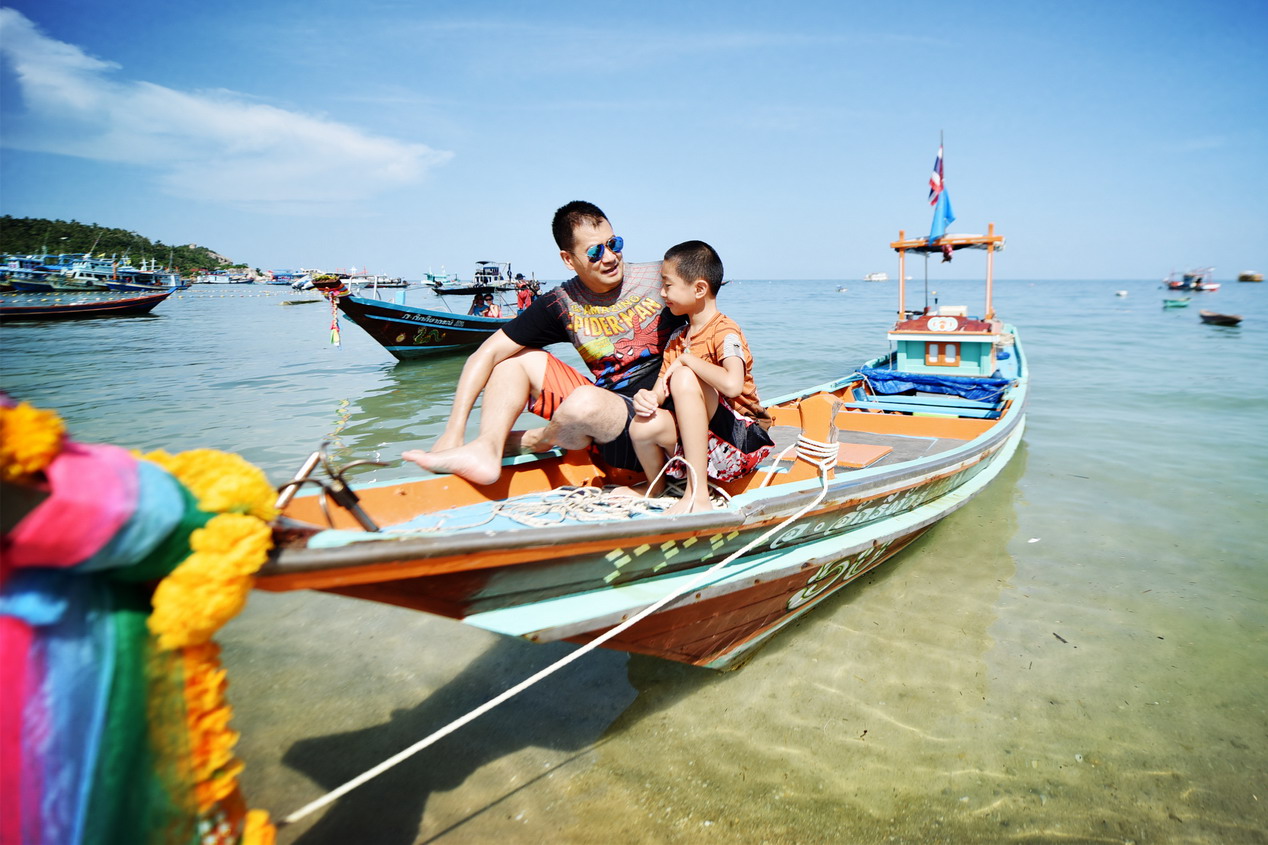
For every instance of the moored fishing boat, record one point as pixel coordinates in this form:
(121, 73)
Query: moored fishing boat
(410, 332)
(865, 464)
(1176, 302)
(1201, 279)
(32, 308)
(1217, 319)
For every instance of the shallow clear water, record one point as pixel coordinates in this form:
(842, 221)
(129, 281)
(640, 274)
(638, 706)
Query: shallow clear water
(1077, 656)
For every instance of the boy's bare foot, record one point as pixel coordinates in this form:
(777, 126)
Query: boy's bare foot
(638, 491)
(472, 462)
(690, 505)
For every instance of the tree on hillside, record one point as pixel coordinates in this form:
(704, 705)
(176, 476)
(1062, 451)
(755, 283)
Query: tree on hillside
(39, 236)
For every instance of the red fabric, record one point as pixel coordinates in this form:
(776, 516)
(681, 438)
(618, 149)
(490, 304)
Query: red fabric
(559, 381)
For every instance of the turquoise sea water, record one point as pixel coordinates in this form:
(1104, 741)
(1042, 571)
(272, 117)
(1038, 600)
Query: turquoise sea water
(1080, 655)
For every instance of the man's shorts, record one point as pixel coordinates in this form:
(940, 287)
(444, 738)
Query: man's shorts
(558, 383)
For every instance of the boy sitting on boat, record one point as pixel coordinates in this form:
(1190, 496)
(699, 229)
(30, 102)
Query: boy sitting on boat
(707, 377)
(612, 313)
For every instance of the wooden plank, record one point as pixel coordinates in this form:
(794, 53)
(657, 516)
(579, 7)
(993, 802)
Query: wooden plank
(922, 409)
(944, 427)
(946, 399)
(859, 455)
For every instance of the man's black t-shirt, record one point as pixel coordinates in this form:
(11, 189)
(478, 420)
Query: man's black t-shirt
(620, 335)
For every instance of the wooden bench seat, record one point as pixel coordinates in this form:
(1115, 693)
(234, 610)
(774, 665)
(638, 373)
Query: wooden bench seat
(906, 408)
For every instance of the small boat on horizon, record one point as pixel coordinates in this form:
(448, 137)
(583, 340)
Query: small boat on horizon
(1200, 279)
(1250, 276)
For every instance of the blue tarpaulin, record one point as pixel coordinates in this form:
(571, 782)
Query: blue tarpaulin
(969, 387)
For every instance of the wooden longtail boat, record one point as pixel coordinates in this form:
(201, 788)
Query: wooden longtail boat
(870, 461)
(14, 308)
(409, 332)
(1217, 319)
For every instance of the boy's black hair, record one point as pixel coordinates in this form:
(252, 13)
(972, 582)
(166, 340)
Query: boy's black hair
(569, 217)
(697, 260)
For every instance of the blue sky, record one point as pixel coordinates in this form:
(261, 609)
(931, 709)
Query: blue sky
(1115, 140)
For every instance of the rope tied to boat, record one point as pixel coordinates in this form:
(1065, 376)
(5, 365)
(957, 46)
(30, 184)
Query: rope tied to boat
(816, 452)
(582, 504)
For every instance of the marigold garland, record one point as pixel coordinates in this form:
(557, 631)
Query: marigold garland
(222, 481)
(204, 592)
(29, 440)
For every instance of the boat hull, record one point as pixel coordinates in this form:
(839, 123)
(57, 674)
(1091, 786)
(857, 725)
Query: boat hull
(409, 333)
(97, 307)
(1216, 319)
(719, 623)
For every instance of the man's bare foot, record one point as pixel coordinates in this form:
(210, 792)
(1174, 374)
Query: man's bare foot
(472, 462)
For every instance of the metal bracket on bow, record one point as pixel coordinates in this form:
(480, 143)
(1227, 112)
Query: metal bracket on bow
(336, 488)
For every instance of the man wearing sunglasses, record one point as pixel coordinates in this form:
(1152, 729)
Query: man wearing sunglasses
(611, 312)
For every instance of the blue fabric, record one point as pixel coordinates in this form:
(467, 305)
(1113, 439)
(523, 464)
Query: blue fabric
(970, 387)
(34, 596)
(943, 216)
(159, 510)
(62, 722)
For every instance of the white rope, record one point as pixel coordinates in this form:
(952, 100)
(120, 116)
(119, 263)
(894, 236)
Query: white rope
(400, 757)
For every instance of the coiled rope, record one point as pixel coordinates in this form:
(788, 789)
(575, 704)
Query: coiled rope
(821, 455)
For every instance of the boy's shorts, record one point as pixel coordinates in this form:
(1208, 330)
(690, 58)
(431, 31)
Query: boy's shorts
(737, 445)
(558, 383)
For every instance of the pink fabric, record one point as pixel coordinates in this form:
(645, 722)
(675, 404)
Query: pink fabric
(94, 492)
(15, 650)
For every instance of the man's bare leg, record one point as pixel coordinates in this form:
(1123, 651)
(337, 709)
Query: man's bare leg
(509, 387)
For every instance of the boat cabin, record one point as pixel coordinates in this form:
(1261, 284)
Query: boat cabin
(946, 341)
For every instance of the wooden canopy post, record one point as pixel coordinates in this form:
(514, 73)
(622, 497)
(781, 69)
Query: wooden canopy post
(990, 270)
(902, 279)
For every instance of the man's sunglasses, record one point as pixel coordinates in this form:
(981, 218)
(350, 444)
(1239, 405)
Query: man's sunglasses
(614, 243)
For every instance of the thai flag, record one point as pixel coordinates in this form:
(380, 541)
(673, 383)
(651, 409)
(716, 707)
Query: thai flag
(935, 179)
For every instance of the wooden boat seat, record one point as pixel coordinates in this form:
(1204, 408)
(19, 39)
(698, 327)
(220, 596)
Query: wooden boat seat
(924, 408)
(939, 399)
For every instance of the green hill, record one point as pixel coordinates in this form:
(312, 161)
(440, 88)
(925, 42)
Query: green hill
(35, 235)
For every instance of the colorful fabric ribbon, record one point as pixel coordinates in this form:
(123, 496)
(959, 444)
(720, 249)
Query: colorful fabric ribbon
(104, 730)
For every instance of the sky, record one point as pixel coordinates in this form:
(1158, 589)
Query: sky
(1105, 140)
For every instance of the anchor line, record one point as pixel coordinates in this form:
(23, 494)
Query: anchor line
(822, 455)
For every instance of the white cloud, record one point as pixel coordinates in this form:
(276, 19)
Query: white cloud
(216, 145)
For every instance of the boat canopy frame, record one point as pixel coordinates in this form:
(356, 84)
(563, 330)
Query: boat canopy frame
(990, 242)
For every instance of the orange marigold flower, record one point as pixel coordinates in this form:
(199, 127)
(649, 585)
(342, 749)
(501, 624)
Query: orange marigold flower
(258, 830)
(221, 481)
(189, 607)
(29, 440)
